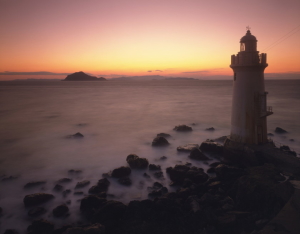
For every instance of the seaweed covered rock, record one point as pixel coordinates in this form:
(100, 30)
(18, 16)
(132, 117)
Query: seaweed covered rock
(37, 198)
(136, 162)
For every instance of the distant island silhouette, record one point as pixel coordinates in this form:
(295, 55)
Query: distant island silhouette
(81, 76)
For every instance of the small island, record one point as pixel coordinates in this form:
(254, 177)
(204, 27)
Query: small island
(81, 76)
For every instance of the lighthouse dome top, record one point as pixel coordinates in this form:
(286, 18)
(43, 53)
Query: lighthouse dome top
(248, 37)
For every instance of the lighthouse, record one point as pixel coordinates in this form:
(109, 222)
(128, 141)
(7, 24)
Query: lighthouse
(249, 101)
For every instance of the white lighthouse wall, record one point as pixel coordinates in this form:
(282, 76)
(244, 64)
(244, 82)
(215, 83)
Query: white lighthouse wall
(246, 123)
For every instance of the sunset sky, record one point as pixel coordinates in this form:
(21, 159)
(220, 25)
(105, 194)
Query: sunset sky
(113, 38)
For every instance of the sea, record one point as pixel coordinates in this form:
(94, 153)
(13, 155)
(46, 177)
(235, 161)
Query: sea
(117, 118)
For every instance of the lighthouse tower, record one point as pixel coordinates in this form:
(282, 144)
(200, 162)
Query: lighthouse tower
(249, 102)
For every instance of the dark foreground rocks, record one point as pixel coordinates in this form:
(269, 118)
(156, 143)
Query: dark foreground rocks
(183, 128)
(160, 141)
(136, 162)
(37, 198)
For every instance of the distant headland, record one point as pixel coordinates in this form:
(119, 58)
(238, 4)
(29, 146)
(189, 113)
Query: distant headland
(81, 76)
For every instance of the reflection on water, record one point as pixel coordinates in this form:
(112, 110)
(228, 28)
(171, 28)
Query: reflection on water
(116, 119)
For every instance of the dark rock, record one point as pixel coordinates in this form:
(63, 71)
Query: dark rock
(106, 175)
(64, 180)
(270, 134)
(221, 139)
(40, 227)
(211, 170)
(163, 158)
(72, 171)
(7, 178)
(76, 135)
(91, 203)
(212, 147)
(163, 135)
(280, 130)
(187, 148)
(135, 161)
(58, 188)
(182, 128)
(153, 167)
(225, 172)
(37, 211)
(158, 175)
(11, 231)
(160, 141)
(157, 190)
(62, 229)
(60, 210)
(215, 164)
(125, 181)
(210, 129)
(78, 193)
(146, 175)
(284, 147)
(102, 186)
(93, 229)
(121, 172)
(82, 184)
(291, 140)
(66, 192)
(34, 184)
(37, 198)
(81, 76)
(197, 154)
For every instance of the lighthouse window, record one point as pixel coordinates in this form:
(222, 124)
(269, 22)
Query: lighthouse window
(234, 76)
(242, 46)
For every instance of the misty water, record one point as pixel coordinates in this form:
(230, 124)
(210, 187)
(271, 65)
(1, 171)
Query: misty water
(117, 118)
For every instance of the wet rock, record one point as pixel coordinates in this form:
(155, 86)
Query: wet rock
(91, 203)
(163, 135)
(121, 172)
(125, 181)
(160, 141)
(102, 186)
(187, 148)
(270, 134)
(211, 170)
(153, 167)
(78, 193)
(136, 162)
(93, 229)
(41, 226)
(82, 184)
(210, 129)
(66, 192)
(182, 128)
(197, 154)
(215, 164)
(8, 178)
(11, 231)
(37, 211)
(76, 135)
(60, 210)
(74, 172)
(221, 139)
(211, 146)
(180, 173)
(163, 158)
(225, 172)
(291, 140)
(34, 184)
(146, 175)
(284, 147)
(64, 180)
(159, 175)
(37, 198)
(280, 130)
(157, 190)
(58, 188)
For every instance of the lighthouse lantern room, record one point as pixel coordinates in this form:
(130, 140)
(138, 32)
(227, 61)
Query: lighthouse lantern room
(249, 102)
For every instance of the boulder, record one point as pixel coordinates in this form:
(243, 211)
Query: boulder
(58, 188)
(157, 190)
(163, 158)
(93, 229)
(160, 141)
(225, 172)
(37, 198)
(182, 128)
(91, 203)
(187, 148)
(153, 167)
(136, 162)
(82, 184)
(211, 147)
(125, 181)
(197, 155)
(34, 184)
(163, 135)
(159, 175)
(60, 210)
(210, 129)
(37, 211)
(76, 135)
(102, 186)
(146, 175)
(121, 172)
(40, 226)
(280, 130)
(74, 172)
(64, 180)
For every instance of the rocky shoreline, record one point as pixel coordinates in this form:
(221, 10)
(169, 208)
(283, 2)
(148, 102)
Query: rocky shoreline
(230, 197)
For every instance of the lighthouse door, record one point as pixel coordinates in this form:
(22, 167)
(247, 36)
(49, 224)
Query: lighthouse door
(259, 135)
